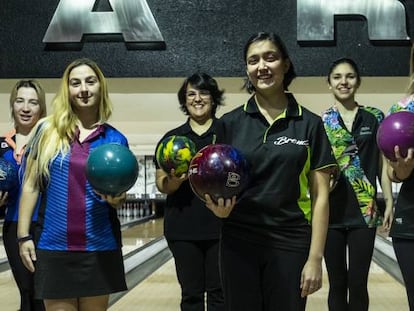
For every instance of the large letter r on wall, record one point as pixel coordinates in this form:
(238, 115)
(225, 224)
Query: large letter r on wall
(386, 18)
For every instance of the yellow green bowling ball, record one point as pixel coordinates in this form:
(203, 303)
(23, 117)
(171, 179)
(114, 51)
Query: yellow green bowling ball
(175, 152)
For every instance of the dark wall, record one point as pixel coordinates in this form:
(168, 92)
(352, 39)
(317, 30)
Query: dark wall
(204, 35)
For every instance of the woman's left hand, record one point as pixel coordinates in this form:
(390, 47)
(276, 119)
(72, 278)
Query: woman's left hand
(115, 201)
(388, 218)
(311, 280)
(28, 254)
(222, 208)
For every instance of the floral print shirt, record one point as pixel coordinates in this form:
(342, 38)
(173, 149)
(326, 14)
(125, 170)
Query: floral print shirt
(358, 160)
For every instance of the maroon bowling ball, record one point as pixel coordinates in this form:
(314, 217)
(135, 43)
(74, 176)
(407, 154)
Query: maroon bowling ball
(397, 129)
(219, 170)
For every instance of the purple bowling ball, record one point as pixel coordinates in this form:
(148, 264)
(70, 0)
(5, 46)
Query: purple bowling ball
(397, 129)
(219, 170)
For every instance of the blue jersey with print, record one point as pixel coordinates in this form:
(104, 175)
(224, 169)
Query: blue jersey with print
(74, 217)
(12, 205)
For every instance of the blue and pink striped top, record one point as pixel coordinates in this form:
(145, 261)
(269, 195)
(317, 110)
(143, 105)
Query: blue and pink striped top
(72, 216)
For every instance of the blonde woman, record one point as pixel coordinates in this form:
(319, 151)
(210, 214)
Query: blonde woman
(77, 261)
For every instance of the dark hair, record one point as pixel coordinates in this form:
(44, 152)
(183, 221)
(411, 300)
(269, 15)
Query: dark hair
(348, 61)
(201, 81)
(277, 41)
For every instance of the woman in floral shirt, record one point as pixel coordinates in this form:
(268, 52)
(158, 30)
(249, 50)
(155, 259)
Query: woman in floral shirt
(354, 216)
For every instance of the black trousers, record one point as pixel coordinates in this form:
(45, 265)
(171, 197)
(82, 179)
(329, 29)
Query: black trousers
(404, 251)
(197, 267)
(22, 276)
(261, 278)
(348, 275)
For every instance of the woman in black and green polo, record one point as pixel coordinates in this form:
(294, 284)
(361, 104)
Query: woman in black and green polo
(273, 234)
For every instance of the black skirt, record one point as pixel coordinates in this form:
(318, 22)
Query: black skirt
(64, 275)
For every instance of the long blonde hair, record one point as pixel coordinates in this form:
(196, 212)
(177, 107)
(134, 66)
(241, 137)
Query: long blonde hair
(410, 87)
(54, 134)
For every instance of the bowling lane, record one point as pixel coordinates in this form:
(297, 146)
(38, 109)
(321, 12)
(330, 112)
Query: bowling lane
(137, 232)
(160, 289)
(161, 292)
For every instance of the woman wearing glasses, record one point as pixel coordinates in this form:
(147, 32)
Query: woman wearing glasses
(27, 106)
(191, 230)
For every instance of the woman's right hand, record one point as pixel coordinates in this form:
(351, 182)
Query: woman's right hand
(222, 208)
(403, 167)
(177, 180)
(28, 254)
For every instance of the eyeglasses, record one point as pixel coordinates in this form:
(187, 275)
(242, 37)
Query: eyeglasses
(202, 94)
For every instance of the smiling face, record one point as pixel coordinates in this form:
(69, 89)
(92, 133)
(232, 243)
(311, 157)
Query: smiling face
(26, 109)
(199, 103)
(84, 88)
(266, 66)
(344, 82)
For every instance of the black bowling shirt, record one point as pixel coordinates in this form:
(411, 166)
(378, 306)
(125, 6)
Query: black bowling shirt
(275, 209)
(185, 216)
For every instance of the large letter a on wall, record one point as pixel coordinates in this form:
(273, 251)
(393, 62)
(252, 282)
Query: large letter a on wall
(132, 19)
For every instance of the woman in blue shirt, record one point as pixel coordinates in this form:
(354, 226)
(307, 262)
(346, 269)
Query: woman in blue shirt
(27, 106)
(78, 241)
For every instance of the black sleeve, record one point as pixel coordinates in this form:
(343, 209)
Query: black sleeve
(219, 129)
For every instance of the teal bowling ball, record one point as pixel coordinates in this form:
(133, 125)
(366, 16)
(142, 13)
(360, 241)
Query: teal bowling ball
(111, 169)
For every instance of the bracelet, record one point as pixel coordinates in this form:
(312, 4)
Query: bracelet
(24, 238)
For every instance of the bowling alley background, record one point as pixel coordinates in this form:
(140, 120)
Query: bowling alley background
(199, 35)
